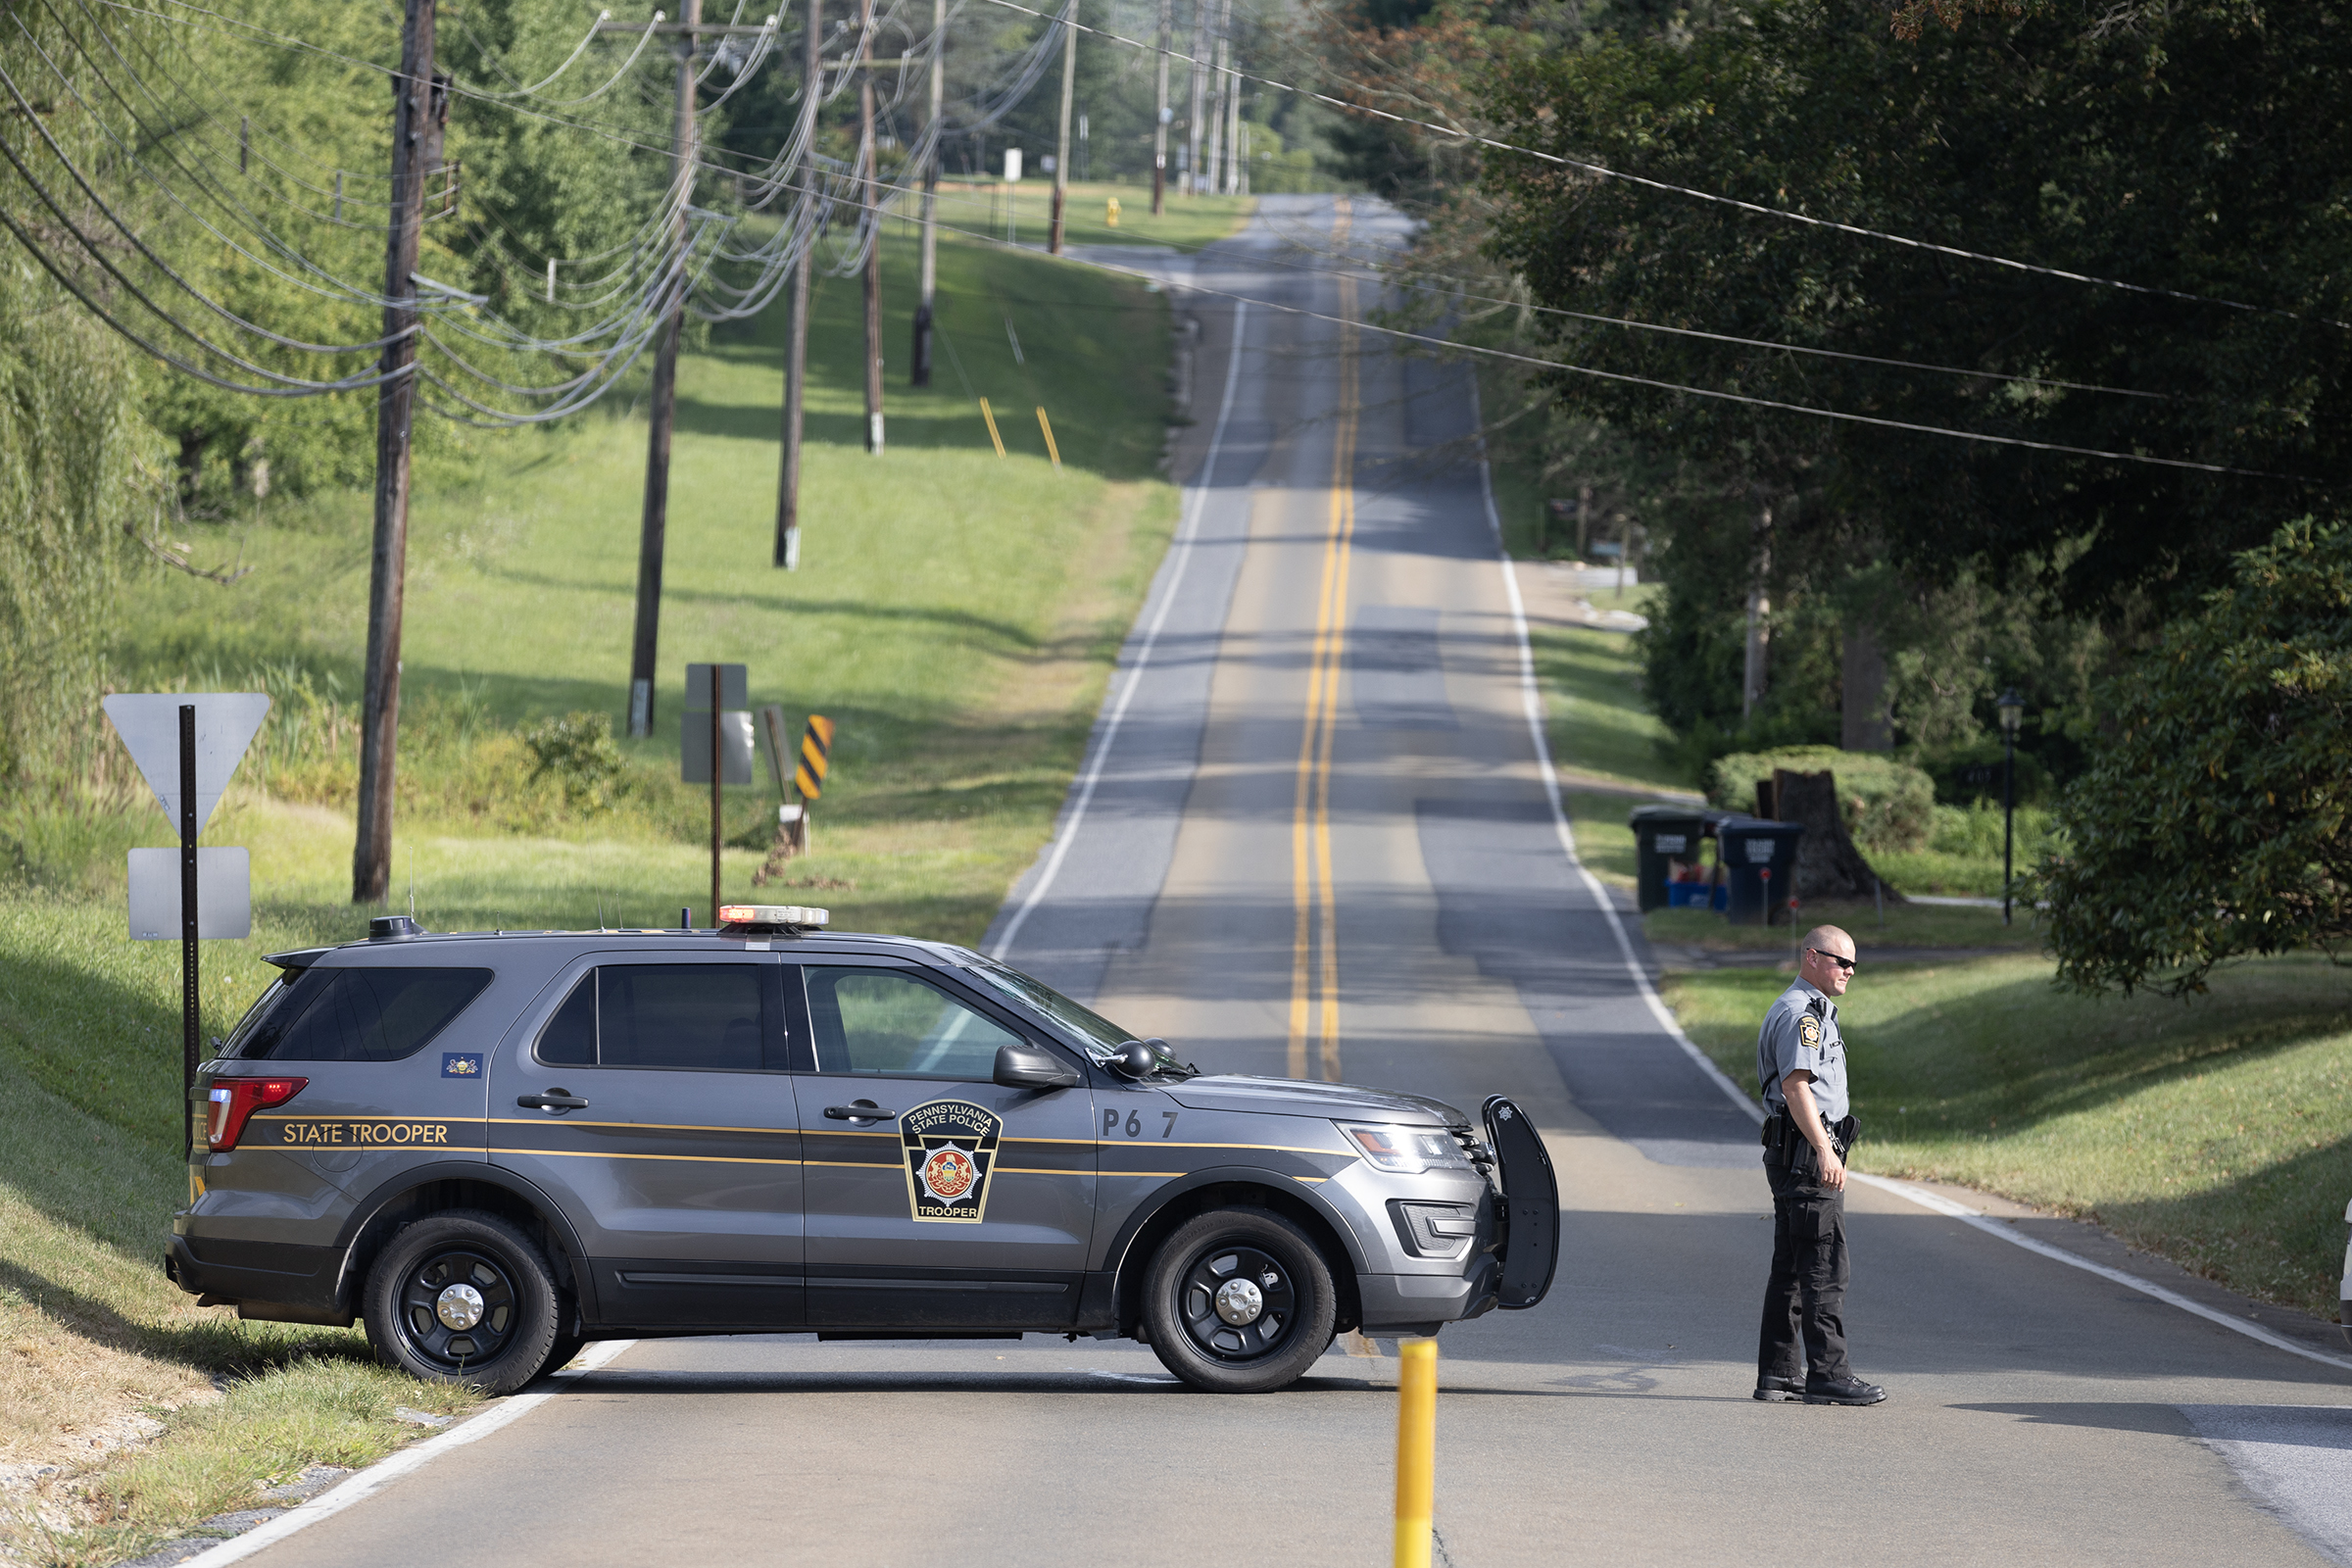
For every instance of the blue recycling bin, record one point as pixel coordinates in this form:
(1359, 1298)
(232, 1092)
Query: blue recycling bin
(1760, 863)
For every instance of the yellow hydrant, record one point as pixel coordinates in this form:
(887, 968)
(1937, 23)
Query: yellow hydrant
(1110, 212)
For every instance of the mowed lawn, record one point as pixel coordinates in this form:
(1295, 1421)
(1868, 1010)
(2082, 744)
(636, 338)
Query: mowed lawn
(2216, 1132)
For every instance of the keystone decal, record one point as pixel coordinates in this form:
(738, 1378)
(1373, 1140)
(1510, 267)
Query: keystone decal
(951, 1148)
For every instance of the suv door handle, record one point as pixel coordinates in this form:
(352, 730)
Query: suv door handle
(863, 1111)
(552, 1100)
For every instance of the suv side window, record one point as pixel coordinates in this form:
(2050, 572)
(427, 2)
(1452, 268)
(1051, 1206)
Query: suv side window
(717, 1017)
(370, 1014)
(893, 1022)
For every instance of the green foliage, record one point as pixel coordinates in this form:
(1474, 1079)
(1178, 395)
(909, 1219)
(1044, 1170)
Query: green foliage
(75, 468)
(577, 753)
(1887, 804)
(2216, 819)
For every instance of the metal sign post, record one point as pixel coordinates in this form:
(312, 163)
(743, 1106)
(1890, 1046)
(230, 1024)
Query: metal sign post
(715, 744)
(186, 745)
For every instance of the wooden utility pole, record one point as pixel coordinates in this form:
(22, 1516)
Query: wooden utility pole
(870, 155)
(1160, 116)
(655, 527)
(796, 352)
(1061, 139)
(1191, 126)
(1216, 103)
(395, 415)
(1226, 54)
(919, 374)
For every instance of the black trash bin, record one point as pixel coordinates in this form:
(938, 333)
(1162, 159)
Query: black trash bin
(1666, 842)
(1749, 846)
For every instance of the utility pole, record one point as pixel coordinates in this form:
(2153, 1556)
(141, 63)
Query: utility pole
(655, 527)
(1191, 126)
(1160, 116)
(796, 352)
(394, 414)
(1061, 141)
(870, 155)
(1216, 102)
(920, 371)
(1226, 53)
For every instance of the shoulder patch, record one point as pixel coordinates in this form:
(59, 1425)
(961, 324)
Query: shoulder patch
(1808, 1030)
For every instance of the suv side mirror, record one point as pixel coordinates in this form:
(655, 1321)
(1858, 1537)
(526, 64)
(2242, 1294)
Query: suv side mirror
(1031, 1067)
(1133, 1060)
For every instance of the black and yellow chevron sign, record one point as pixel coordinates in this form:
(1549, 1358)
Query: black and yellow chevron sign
(817, 755)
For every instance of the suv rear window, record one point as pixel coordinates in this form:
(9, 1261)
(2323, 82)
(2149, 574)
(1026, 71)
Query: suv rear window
(715, 1017)
(370, 1015)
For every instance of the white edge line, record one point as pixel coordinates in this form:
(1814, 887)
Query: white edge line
(372, 1480)
(1199, 498)
(1531, 696)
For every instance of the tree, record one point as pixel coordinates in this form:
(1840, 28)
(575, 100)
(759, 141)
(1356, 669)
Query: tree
(2191, 147)
(2215, 821)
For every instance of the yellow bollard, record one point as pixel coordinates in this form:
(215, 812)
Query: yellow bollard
(1416, 1449)
(992, 427)
(1110, 212)
(1046, 425)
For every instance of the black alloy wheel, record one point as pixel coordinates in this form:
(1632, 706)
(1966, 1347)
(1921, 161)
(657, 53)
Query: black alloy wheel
(1239, 1301)
(464, 1296)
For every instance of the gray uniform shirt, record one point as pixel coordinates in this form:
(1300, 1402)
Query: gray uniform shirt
(1801, 1030)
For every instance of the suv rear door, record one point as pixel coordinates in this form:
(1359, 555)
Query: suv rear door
(647, 1093)
(935, 1198)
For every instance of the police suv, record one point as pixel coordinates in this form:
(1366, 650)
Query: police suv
(492, 1147)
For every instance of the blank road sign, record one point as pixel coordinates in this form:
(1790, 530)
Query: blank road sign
(733, 689)
(224, 895)
(149, 724)
(734, 748)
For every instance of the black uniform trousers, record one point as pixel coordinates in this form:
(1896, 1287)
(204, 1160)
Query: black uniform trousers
(1805, 1297)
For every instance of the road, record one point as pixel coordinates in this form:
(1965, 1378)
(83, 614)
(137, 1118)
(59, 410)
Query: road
(1314, 838)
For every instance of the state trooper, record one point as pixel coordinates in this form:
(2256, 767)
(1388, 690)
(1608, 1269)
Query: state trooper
(1800, 1064)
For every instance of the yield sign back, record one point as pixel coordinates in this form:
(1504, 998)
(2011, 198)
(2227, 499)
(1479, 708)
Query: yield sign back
(225, 724)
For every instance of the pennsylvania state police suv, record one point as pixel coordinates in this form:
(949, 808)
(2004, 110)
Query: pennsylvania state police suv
(493, 1147)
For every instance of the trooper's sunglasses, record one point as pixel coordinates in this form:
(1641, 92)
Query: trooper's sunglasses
(1847, 964)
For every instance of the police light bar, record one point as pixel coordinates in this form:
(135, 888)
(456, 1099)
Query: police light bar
(773, 915)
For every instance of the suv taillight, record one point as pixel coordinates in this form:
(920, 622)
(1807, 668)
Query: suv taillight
(235, 1099)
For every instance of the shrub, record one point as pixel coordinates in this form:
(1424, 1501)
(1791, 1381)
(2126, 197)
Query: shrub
(577, 753)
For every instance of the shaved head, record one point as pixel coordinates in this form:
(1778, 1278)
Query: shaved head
(1832, 938)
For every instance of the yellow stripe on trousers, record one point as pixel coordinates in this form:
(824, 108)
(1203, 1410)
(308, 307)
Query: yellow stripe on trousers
(1316, 945)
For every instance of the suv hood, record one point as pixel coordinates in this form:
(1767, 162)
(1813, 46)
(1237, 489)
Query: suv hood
(1299, 1096)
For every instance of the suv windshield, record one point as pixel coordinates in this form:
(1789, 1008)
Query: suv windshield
(1098, 1034)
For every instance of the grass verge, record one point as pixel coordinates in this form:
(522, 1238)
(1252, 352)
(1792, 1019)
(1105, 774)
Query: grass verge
(2218, 1134)
(955, 612)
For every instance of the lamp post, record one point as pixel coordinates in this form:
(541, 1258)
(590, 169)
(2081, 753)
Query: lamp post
(2012, 708)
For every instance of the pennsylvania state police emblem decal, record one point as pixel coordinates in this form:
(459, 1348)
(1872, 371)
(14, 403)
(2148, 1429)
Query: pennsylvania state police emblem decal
(950, 1149)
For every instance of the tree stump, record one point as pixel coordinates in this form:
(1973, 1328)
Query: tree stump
(1827, 865)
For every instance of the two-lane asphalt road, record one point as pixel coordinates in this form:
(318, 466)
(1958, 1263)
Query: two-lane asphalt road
(1314, 837)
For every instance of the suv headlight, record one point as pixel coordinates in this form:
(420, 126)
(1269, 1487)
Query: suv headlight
(1404, 1151)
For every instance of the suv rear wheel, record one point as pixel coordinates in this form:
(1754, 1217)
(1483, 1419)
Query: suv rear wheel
(1238, 1300)
(464, 1296)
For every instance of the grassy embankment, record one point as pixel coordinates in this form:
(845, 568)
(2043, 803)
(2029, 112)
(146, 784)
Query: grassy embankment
(954, 613)
(2217, 1132)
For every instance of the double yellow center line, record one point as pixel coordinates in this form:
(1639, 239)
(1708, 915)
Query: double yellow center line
(1316, 945)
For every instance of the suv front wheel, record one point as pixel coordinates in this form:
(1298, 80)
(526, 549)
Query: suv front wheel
(464, 1296)
(1238, 1300)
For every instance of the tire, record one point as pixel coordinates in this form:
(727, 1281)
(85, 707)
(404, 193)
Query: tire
(417, 1316)
(1285, 1289)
